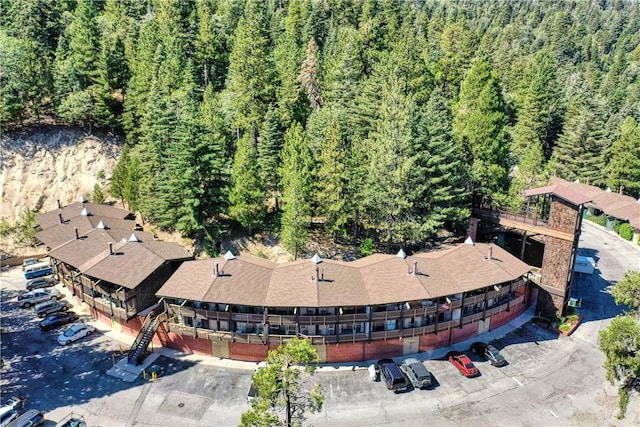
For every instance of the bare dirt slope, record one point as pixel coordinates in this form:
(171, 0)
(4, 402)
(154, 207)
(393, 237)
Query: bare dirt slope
(42, 165)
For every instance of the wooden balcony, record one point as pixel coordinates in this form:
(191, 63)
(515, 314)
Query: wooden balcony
(530, 222)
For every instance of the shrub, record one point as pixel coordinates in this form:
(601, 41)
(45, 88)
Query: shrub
(600, 220)
(616, 226)
(626, 231)
(366, 247)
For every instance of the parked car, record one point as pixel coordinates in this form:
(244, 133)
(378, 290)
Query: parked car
(40, 282)
(29, 261)
(30, 298)
(7, 414)
(37, 270)
(46, 308)
(392, 375)
(417, 373)
(72, 420)
(54, 320)
(464, 365)
(74, 333)
(31, 418)
(489, 352)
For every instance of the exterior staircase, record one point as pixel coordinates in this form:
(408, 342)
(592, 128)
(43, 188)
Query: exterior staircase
(149, 327)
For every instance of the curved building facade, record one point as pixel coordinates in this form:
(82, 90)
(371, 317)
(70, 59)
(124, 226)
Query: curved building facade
(240, 307)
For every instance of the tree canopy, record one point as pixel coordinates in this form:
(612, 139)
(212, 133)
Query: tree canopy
(523, 90)
(284, 394)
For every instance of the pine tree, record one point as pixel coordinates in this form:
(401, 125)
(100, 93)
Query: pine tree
(479, 126)
(581, 146)
(308, 77)
(247, 196)
(251, 79)
(297, 186)
(75, 66)
(211, 51)
(390, 198)
(332, 175)
(623, 167)
(438, 173)
(537, 105)
(288, 58)
(271, 142)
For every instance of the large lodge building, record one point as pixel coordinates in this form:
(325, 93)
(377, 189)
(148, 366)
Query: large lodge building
(239, 306)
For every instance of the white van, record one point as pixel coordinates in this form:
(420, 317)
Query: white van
(36, 270)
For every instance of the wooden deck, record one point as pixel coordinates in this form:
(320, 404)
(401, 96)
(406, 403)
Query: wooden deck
(529, 223)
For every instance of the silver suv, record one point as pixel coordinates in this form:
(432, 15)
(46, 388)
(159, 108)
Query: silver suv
(419, 376)
(28, 299)
(45, 308)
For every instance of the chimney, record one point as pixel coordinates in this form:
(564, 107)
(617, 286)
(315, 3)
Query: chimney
(59, 205)
(415, 267)
(490, 255)
(216, 271)
(60, 218)
(110, 248)
(77, 235)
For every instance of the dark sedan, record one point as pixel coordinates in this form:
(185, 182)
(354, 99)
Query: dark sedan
(54, 320)
(489, 352)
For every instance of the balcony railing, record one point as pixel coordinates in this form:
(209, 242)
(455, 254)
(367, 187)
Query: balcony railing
(255, 322)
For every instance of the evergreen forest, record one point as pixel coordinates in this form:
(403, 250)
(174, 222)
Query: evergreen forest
(374, 118)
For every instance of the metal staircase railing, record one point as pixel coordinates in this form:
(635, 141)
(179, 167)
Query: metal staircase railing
(147, 331)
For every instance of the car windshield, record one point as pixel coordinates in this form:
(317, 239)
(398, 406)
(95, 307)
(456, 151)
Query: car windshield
(70, 332)
(469, 365)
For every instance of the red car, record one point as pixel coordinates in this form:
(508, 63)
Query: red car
(464, 365)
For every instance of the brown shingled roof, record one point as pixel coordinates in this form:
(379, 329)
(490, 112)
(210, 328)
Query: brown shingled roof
(378, 279)
(61, 233)
(76, 252)
(131, 262)
(560, 191)
(51, 218)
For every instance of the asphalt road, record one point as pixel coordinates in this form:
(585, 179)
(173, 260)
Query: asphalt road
(550, 379)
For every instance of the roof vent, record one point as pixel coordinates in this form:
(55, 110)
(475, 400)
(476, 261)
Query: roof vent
(577, 181)
(216, 271)
(608, 190)
(401, 254)
(123, 240)
(60, 220)
(133, 238)
(469, 241)
(110, 248)
(415, 267)
(59, 205)
(229, 256)
(82, 199)
(76, 230)
(85, 212)
(316, 259)
(490, 254)
(102, 225)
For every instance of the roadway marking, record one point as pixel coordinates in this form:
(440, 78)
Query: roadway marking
(518, 382)
(553, 413)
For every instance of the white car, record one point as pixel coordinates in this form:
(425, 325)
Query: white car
(74, 333)
(28, 299)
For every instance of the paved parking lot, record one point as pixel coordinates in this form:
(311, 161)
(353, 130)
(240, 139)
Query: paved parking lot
(550, 380)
